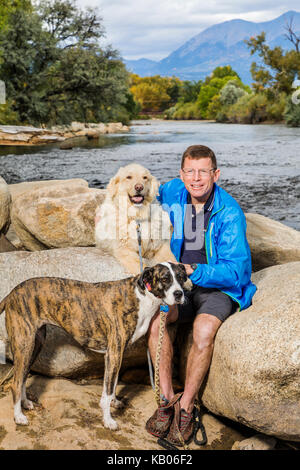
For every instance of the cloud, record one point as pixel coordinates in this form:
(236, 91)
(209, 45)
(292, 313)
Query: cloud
(155, 28)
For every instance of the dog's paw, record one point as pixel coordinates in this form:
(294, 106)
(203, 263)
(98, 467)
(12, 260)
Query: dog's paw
(21, 419)
(111, 424)
(27, 404)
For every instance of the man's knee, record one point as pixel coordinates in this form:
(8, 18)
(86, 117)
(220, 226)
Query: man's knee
(204, 331)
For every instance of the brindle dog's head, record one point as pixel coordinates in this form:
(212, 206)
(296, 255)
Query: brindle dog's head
(166, 281)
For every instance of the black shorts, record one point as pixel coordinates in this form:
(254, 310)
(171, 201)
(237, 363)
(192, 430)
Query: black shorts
(201, 300)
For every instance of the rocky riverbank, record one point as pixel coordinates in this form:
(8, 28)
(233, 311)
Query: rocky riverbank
(254, 375)
(26, 135)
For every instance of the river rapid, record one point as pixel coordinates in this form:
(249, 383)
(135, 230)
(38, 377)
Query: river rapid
(259, 163)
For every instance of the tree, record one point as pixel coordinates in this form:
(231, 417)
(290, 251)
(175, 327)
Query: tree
(210, 90)
(54, 68)
(221, 72)
(70, 26)
(155, 93)
(231, 92)
(291, 35)
(280, 68)
(9, 6)
(189, 91)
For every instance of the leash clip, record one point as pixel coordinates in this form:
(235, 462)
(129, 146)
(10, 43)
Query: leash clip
(164, 308)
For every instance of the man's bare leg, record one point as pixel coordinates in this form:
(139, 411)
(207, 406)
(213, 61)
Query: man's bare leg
(166, 357)
(205, 328)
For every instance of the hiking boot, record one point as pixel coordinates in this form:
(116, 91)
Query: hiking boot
(182, 427)
(159, 423)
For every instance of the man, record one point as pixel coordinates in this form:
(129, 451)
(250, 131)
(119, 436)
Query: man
(218, 264)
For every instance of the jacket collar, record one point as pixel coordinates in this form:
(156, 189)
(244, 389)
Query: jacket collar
(218, 202)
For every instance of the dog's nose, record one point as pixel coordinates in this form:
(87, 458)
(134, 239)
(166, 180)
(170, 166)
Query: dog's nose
(139, 188)
(177, 295)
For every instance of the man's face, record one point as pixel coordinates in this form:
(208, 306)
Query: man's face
(199, 183)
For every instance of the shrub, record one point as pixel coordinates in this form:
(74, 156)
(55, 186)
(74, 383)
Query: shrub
(249, 109)
(184, 111)
(276, 107)
(231, 92)
(292, 113)
(8, 116)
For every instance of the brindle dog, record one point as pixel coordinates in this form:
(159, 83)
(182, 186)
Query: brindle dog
(102, 316)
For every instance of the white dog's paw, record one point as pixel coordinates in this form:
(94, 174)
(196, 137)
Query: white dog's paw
(27, 404)
(21, 419)
(111, 424)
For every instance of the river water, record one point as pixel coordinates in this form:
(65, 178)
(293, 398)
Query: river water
(259, 163)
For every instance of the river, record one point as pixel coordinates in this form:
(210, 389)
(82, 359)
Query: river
(259, 163)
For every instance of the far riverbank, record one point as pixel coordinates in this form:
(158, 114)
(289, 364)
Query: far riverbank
(27, 135)
(259, 163)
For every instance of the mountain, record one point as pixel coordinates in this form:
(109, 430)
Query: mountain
(220, 44)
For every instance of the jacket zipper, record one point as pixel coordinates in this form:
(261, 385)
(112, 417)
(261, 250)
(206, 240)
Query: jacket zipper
(210, 243)
(210, 230)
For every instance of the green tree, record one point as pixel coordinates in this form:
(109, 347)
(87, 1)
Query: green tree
(9, 6)
(189, 91)
(279, 69)
(221, 72)
(54, 68)
(210, 90)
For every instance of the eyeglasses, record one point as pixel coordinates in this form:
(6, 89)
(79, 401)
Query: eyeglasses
(190, 172)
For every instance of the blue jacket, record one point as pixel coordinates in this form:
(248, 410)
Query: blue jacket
(227, 250)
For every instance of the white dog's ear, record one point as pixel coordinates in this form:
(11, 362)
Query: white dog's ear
(112, 186)
(154, 188)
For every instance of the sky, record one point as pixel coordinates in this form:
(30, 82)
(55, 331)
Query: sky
(152, 29)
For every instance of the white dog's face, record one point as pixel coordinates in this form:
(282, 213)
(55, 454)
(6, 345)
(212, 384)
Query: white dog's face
(136, 182)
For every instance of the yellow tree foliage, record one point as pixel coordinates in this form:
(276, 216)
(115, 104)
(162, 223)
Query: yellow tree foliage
(155, 93)
(9, 6)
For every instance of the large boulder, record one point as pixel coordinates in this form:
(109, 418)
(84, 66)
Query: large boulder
(254, 376)
(271, 242)
(56, 216)
(61, 355)
(19, 188)
(5, 203)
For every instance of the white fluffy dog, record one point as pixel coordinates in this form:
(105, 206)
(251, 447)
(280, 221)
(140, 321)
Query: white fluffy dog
(131, 199)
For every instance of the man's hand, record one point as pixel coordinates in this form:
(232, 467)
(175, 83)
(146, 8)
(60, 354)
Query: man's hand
(188, 268)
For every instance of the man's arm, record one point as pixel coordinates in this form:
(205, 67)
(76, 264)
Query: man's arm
(233, 265)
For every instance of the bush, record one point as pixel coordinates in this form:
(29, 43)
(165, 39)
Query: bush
(249, 109)
(231, 92)
(214, 107)
(184, 111)
(292, 113)
(8, 117)
(276, 108)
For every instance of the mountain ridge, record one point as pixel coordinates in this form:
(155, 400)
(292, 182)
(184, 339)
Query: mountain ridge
(218, 45)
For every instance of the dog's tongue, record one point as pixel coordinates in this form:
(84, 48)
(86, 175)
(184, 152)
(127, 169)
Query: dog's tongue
(137, 199)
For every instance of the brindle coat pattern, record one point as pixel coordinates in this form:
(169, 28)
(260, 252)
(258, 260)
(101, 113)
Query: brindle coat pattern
(102, 316)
